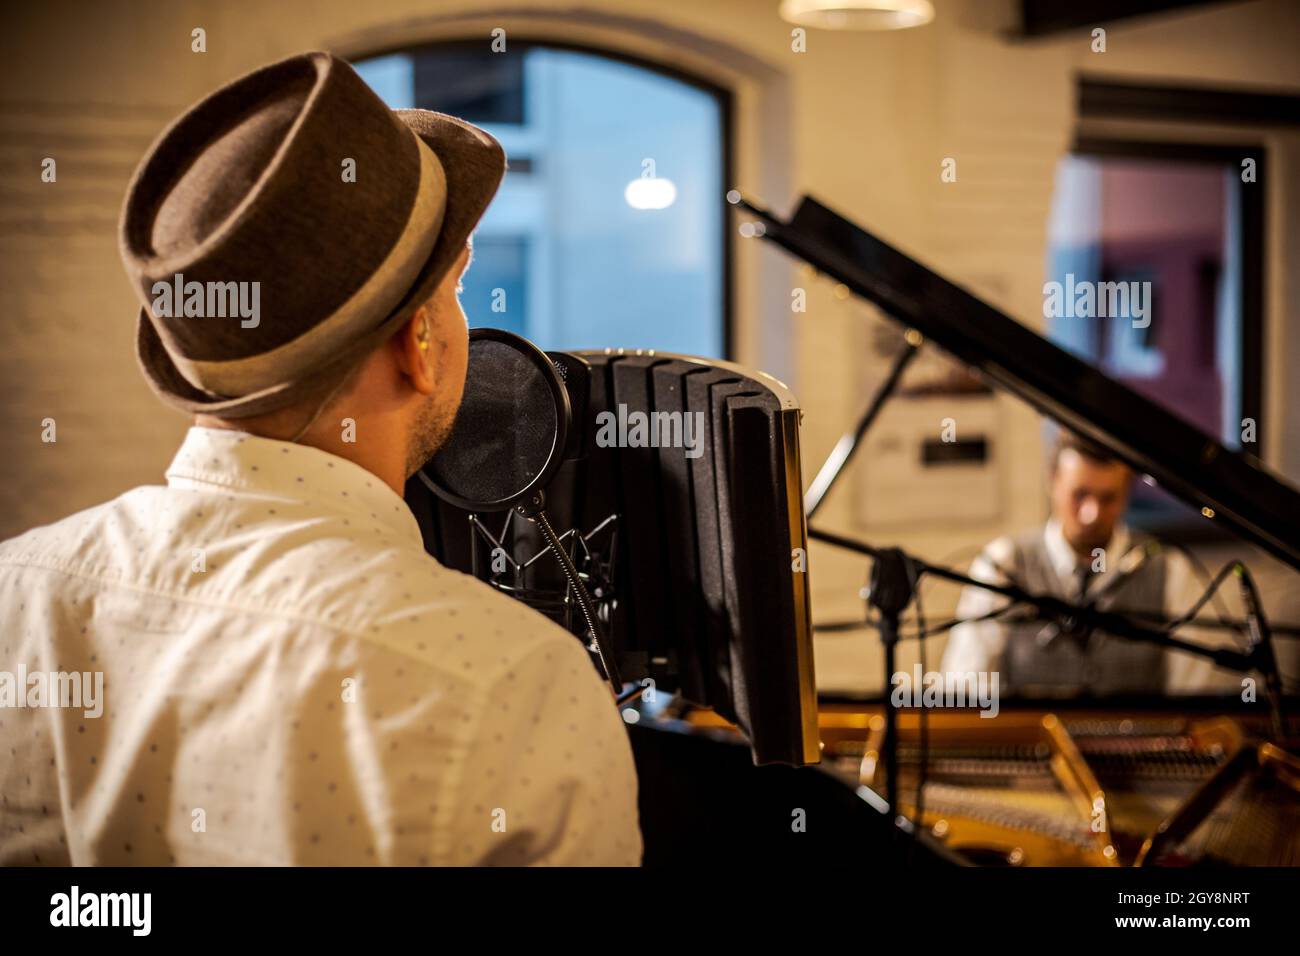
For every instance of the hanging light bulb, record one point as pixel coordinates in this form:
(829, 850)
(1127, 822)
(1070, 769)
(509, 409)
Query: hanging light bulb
(857, 14)
(650, 192)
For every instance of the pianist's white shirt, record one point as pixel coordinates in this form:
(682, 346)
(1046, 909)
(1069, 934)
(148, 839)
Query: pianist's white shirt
(288, 678)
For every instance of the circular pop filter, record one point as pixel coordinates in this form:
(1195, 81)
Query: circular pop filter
(508, 437)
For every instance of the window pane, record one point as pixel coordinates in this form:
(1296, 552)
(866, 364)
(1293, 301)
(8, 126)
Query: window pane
(1147, 259)
(1146, 255)
(499, 277)
(607, 231)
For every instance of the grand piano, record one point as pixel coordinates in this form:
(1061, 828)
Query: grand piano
(1107, 782)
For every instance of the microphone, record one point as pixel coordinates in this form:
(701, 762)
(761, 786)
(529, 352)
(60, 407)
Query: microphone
(1261, 645)
(507, 443)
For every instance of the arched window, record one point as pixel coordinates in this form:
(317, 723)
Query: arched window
(608, 230)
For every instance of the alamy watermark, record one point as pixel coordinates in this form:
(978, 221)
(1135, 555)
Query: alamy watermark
(651, 430)
(76, 690)
(978, 689)
(1084, 299)
(208, 300)
(130, 910)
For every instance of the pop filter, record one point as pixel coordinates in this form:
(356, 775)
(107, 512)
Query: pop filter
(509, 435)
(505, 446)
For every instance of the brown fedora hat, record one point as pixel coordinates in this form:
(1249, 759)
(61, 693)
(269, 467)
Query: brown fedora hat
(289, 224)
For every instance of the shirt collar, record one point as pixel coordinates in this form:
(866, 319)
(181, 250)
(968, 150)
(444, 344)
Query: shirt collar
(1066, 563)
(237, 460)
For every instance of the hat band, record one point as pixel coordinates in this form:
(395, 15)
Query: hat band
(376, 298)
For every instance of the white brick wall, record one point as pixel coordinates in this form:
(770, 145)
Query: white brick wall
(872, 116)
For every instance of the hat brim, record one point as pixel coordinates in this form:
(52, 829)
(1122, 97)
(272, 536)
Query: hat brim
(474, 164)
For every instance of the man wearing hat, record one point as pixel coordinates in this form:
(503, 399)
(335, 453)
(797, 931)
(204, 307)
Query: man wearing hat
(258, 663)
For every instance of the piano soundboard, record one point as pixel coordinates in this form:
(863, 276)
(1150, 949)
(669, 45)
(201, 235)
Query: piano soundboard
(1023, 788)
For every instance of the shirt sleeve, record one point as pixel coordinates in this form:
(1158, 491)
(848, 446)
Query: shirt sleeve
(978, 645)
(549, 777)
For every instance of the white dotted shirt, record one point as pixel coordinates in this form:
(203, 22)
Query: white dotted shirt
(289, 678)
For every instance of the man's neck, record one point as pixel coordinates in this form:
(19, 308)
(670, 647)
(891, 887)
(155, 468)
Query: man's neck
(1083, 556)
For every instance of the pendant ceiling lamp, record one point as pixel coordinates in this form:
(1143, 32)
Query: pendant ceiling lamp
(857, 14)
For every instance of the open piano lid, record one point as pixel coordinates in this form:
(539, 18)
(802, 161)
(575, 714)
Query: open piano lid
(1198, 469)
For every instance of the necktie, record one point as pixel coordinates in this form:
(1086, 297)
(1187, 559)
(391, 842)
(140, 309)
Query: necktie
(1081, 632)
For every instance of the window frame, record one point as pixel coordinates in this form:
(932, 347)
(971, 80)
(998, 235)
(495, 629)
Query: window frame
(726, 112)
(1252, 204)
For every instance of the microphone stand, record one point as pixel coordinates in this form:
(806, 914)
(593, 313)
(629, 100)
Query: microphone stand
(1261, 645)
(845, 448)
(890, 591)
(1259, 658)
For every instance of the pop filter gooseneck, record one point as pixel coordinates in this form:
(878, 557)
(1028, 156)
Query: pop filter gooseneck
(505, 447)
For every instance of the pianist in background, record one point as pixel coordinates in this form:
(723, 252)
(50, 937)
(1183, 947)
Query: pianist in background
(1084, 553)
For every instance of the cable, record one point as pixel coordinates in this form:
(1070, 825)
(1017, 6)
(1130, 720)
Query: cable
(1199, 568)
(1288, 629)
(956, 621)
(1204, 599)
(584, 599)
(982, 552)
(1261, 647)
(870, 622)
(631, 695)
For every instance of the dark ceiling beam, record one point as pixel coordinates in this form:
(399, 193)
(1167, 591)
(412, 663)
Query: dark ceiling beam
(1041, 18)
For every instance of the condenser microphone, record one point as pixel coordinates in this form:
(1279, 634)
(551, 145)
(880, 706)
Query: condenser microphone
(508, 440)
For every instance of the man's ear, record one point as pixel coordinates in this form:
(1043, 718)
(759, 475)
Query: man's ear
(415, 350)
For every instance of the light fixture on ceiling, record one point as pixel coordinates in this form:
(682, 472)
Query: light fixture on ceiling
(857, 14)
(650, 192)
